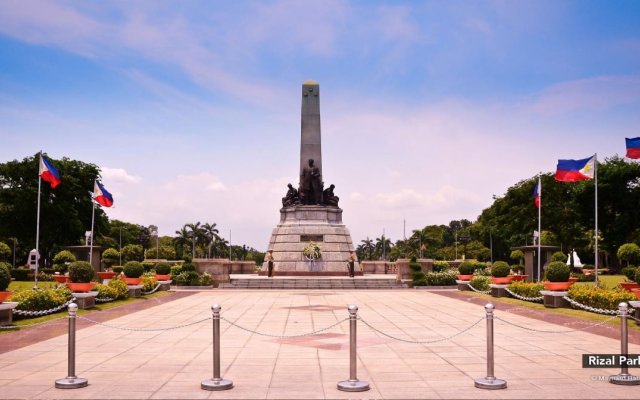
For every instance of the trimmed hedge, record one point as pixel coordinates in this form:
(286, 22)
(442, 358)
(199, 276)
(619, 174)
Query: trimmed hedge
(607, 299)
(558, 271)
(500, 269)
(440, 266)
(40, 300)
(447, 278)
(480, 283)
(526, 289)
(466, 268)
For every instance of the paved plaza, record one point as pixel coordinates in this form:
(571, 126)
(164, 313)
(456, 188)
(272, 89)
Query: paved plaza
(120, 362)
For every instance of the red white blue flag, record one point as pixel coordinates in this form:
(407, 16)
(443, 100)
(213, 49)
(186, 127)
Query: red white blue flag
(537, 192)
(633, 147)
(576, 170)
(48, 172)
(101, 195)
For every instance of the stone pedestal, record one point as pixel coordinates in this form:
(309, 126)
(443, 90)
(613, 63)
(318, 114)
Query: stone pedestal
(85, 300)
(135, 290)
(6, 312)
(404, 271)
(463, 285)
(165, 285)
(498, 290)
(554, 299)
(636, 306)
(299, 225)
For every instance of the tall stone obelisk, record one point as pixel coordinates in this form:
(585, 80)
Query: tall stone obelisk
(306, 217)
(310, 137)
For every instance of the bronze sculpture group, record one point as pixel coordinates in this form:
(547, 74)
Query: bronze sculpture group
(311, 190)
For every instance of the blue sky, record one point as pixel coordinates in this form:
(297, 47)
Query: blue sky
(192, 108)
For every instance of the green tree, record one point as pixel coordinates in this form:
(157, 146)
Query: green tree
(133, 252)
(368, 247)
(517, 255)
(629, 253)
(5, 252)
(110, 257)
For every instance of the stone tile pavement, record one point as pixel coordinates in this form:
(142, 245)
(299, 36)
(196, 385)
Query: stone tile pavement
(122, 363)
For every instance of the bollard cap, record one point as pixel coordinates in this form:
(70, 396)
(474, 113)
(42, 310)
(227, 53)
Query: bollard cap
(623, 307)
(489, 307)
(216, 308)
(353, 309)
(73, 308)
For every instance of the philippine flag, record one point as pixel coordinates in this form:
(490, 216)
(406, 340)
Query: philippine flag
(537, 193)
(101, 195)
(633, 147)
(48, 172)
(576, 170)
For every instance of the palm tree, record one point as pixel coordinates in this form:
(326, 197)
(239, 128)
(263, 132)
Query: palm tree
(383, 247)
(368, 247)
(182, 239)
(419, 239)
(211, 234)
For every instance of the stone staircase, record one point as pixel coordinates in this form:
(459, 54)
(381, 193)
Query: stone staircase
(293, 282)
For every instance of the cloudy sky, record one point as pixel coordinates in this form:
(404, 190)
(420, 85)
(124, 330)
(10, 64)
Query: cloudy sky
(429, 108)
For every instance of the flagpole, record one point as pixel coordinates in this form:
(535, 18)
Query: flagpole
(93, 215)
(539, 224)
(38, 225)
(595, 173)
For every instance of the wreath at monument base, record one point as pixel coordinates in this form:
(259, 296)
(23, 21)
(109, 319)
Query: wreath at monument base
(312, 251)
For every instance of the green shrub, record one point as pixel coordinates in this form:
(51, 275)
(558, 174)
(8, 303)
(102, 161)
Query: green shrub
(60, 268)
(22, 274)
(588, 266)
(187, 278)
(176, 270)
(607, 299)
(40, 300)
(466, 268)
(206, 279)
(81, 272)
(447, 278)
(5, 276)
(121, 288)
(188, 266)
(413, 259)
(117, 269)
(417, 277)
(163, 268)
(440, 266)
(558, 271)
(500, 269)
(559, 256)
(148, 265)
(149, 282)
(106, 292)
(110, 257)
(629, 272)
(586, 278)
(5, 252)
(526, 289)
(64, 257)
(517, 255)
(187, 258)
(629, 252)
(133, 269)
(637, 275)
(517, 269)
(480, 283)
(415, 267)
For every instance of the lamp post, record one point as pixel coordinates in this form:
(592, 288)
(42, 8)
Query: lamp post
(120, 247)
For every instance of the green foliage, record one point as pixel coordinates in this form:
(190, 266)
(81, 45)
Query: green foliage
(466, 268)
(117, 269)
(149, 282)
(148, 265)
(518, 269)
(81, 272)
(206, 279)
(163, 268)
(132, 252)
(5, 252)
(105, 291)
(629, 252)
(637, 275)
(121, 288)
(39, 300)
(22, 274)
(440, 266)
(413, 259)
(447, 278)
(188, 266)
(64, 257)
(480, 283)
(110, 257)
(559, 256)
(164, 252)
(558, 271)
(517, 255)
(415, 267)
(526, 289)
(133, 269)
(5, 276)
(586, 278)
(477, 250)
(176, 270)
(61, 268)
(607, 299)
(629, 272)
(187, 278)
(500, 269)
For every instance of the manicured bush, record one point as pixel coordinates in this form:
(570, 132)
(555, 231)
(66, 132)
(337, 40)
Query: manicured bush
(106, 291)
(440, 266)
(500, 269)
(597, 297)
(64, 257)
(559, 256)
(466, 268)
(517, 269)
(81, 272)
(133, 269)
(187, 278)
(110, 257)
(447, 278)
(165, 252)
(629, 272)
(163, 268)
(132, 252)
(586, 278)
(22, 274)
(637, 275)
(558, 271)
(517, 255)
(60, 268)
(188, 266)
(176, 270)
(480, 283)
(43, 299)
(121, 288)
(149, 282)
(206, 279)
(5, 276)
(148, 265)
(117, 269)
(629, 252)
(526, 289)
(5, 252)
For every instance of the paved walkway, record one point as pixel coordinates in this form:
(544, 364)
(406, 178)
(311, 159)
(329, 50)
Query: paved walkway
(124, 363)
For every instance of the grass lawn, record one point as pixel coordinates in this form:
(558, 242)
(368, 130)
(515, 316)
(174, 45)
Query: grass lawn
(606, 281)
(17, 286)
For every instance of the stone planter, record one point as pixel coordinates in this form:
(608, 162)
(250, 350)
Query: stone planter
(80, 287)
(636, 292)
(554, 299)
(518, 278)
(629, 286)
(61, 278)
(465, 277)
(106, 275)
(6, 313)
(4, 295)
(163, 277)
(503, 280)
(132, 281)
(498, 290)
(557, 286)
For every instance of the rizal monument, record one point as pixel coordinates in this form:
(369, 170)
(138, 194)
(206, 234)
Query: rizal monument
(310, 238)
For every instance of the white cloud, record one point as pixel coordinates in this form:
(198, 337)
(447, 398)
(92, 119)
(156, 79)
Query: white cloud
(118, 175)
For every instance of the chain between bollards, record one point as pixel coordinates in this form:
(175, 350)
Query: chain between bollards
(353, 384)
(216, 383)
(490, 381)
(624, 378)
(72, 381)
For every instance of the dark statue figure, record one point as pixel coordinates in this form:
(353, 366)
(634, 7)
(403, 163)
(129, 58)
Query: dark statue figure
(329, 198)
(292, 197)
(311, 185)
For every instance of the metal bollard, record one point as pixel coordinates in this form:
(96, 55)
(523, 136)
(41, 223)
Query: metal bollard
(353, 384)
(490, 381)
(216, 383)
(72, 381)
(624, 378)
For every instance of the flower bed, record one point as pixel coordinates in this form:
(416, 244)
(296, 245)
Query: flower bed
(607, 299)
(43, 299)
(480, 283)
(526, 289)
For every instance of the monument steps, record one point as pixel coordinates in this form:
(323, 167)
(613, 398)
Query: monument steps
(312, 283)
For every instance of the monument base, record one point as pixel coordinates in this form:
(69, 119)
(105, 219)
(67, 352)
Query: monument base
(300, 225)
